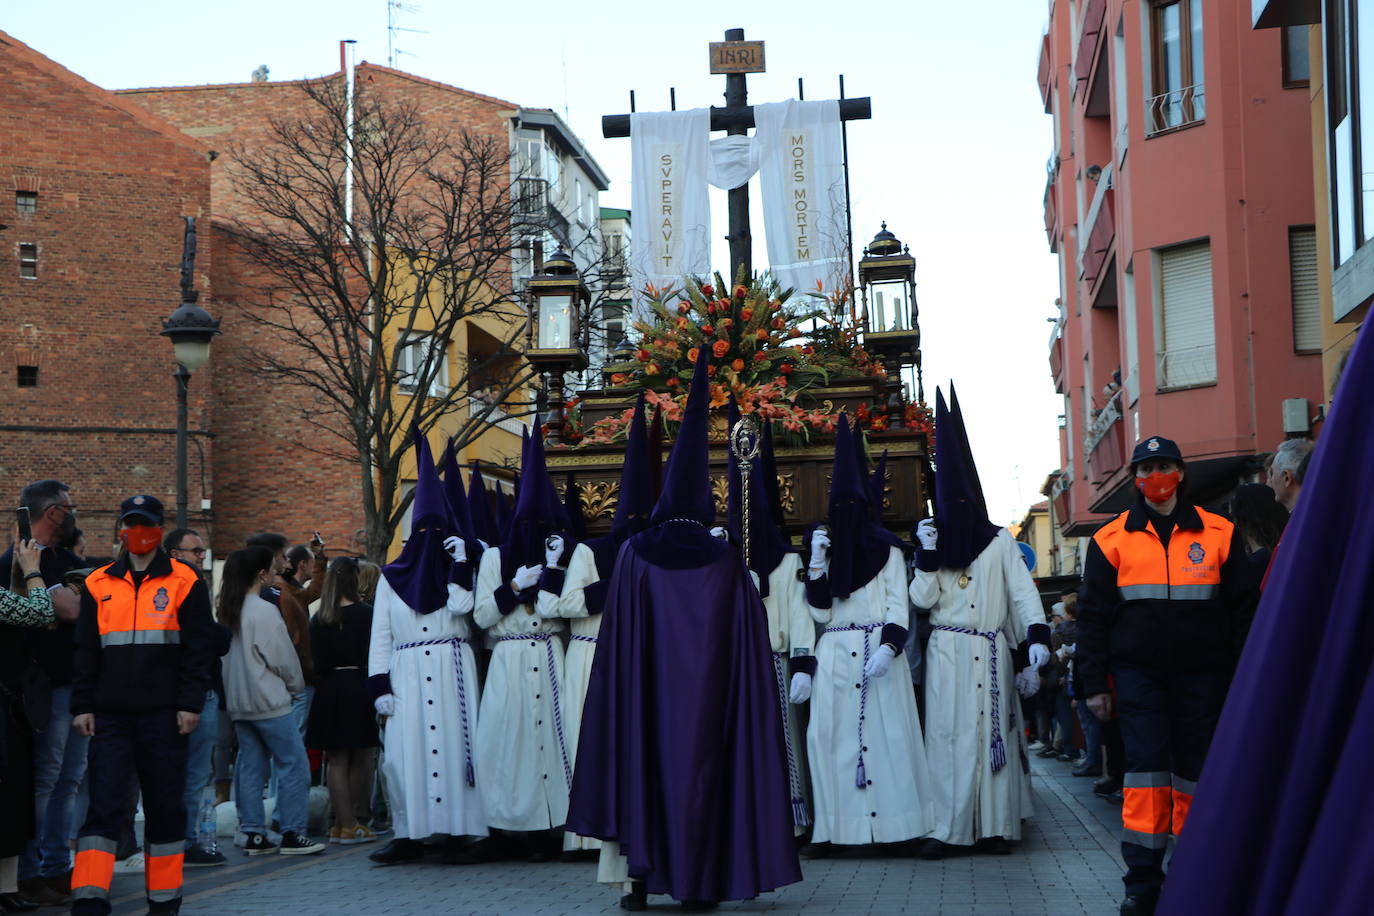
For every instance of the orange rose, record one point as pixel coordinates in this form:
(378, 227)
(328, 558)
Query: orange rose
(706, 290)
(642, 355)
(653, 369)
(759, 357)
(778, 324)
(746, 314)
(740, 291)
(692, 355)
(707, 329)
(672, 383)
(737, 365)
(726, 322)
(720, 348)
(786, 369)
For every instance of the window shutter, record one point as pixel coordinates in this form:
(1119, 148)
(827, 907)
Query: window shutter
(1188, 354)
(1307, 304)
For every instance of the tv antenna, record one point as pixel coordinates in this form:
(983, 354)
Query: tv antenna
(394, 10)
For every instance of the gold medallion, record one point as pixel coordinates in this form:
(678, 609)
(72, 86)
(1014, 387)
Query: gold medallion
(964, 581)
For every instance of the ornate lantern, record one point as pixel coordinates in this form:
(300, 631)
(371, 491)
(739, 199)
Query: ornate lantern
(887, 279)
(555, 342)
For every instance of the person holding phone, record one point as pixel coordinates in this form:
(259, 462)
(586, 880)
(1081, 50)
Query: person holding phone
(26, 607)
(144, 648)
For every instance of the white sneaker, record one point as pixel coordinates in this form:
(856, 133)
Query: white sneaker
(131, 866)
(1035, 746)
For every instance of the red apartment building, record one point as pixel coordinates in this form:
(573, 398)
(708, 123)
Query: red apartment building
(1180, 203)
(95, 191)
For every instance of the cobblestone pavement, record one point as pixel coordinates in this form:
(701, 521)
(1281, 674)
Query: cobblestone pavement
(1068, 863)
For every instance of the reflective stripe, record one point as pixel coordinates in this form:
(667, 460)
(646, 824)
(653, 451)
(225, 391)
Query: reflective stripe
(93, 868)
(141, 638)
(1147, 810)
(1147, 780)
(1193, 592)
(1144, 592)
(1148, 840)
(1184, 785)
(164, 896)
(162, 869)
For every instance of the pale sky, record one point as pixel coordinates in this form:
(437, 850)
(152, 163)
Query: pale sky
(953, 159)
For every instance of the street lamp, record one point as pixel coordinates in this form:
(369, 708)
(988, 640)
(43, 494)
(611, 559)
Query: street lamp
(887, 279)
(190, 329)
(553, 338)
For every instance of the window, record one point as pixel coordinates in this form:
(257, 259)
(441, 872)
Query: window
(1177, 98)
(26, 201)
(1297, 68)
(28, 261)
(1186, 330)
(613, 315)
(28, 376)
(1120, 98)
(1307, 305)
(407, 487)
(422, 354)
(1130, 376)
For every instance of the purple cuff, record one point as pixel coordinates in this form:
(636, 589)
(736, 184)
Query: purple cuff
(379, 685)
(594, 596)
(461, 575)
(893, 636)
(818, 593)
(802, 664)
(1038, 633)
(506, 600)
(927, 561)
(551, 580)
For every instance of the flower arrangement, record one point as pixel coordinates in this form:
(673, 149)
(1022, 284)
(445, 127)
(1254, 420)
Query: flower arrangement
(760, 353)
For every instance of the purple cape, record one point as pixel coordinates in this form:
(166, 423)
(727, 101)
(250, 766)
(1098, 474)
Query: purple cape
(681, 756)
(1280, 821)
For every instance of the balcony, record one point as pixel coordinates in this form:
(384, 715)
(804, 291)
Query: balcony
(1101, 230)
(1105, 442)
(1089, 41)
(1176, 110)
(1046, 74)
(1052, 205)
(1057, 361)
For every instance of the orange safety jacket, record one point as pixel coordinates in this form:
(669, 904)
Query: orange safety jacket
(143, 644)
(1184, 605)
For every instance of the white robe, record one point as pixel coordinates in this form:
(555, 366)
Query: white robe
(791, 631)
(577, 669)
(521, 734)
(969, 800)
(428, 791)
(894, 804)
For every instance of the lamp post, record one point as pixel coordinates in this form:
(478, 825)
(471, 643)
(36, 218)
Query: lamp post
(190, 329)
(887, 280)
(553, 337)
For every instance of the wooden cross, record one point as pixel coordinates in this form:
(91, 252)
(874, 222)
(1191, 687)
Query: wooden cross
(735, 57)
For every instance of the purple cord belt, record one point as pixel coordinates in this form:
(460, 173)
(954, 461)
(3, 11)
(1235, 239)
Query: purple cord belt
(800, 816)
(547, 640)
(455, 642)
(998, 749)
(860, 774)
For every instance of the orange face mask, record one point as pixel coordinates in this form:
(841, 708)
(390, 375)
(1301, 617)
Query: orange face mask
(141, 539)
(1158, 487)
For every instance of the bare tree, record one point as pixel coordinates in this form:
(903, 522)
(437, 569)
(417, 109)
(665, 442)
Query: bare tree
(365, 310)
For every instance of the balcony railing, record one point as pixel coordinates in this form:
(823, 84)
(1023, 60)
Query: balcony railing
(1179, 108)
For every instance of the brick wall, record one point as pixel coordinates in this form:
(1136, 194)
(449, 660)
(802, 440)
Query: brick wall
(113, 184)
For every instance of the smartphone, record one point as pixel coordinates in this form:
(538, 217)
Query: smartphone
(319, 540)
(25, 530)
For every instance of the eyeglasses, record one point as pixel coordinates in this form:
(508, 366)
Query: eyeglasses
(198, 551)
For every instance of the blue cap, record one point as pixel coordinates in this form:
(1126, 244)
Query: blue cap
(149, 507)
(1156, 447)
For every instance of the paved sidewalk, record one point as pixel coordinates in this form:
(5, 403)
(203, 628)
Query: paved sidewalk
(1068, 863)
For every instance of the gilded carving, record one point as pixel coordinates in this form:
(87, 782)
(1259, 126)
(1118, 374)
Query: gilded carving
(598, 498)
(786, 492)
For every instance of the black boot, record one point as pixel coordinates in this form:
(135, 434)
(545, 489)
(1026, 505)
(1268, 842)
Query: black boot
(1139, 905)
(993, 846)
(397, 851)
(930, 848)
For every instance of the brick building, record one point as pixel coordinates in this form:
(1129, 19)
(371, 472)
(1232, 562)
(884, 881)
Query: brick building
(1189, 304)
(96, 191)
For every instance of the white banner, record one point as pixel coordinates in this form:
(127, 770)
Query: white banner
(668, 200)
(802, 175)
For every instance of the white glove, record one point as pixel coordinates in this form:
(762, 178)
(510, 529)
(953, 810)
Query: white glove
(553, 550)
(927, 534)
(820, 553)
(878, 661)
(386, 705)
(1070, 649)
(527, 577)
(719, 532)
(801, 688)
(1028, 682)
(1039, 655)
(456, 548)
(484, 544)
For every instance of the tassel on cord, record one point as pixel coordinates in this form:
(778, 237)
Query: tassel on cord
(999, 754)
(472, 777)
(861, 777)
(800, 816)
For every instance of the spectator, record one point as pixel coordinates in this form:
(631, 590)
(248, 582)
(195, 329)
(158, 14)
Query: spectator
(1286, 470)
(59, 757)
(293, 601)
(1260, 518)
(141, 669)
(261, 678)
(343, 722)
(186, 546)
(26, 607)
(368, 574)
